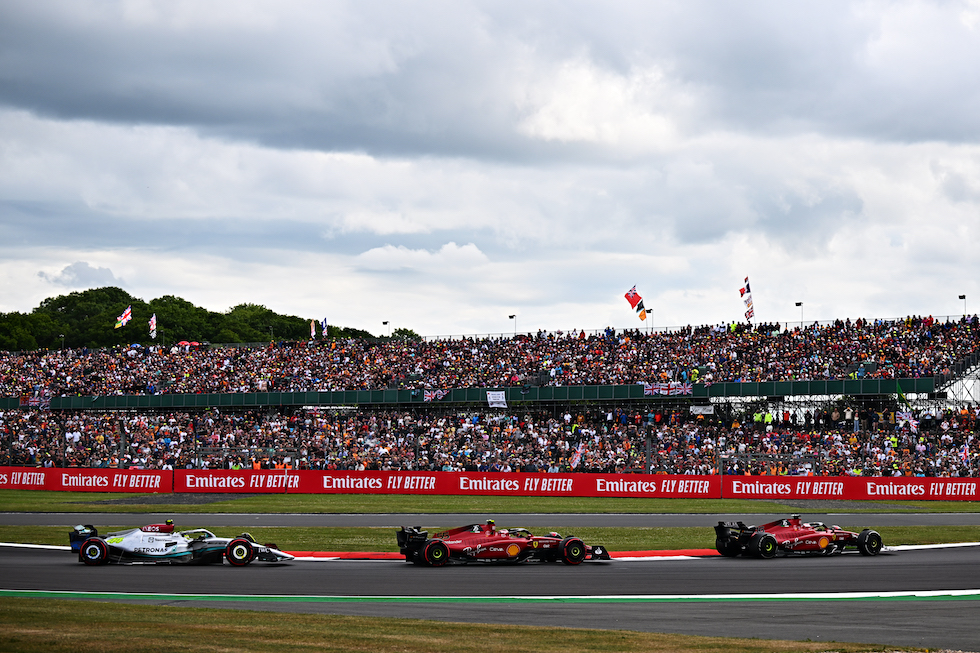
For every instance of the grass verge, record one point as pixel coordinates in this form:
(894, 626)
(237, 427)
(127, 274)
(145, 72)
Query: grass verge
(55, 626)
(43, 501)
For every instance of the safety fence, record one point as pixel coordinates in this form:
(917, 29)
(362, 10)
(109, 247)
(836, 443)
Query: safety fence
(283, 481)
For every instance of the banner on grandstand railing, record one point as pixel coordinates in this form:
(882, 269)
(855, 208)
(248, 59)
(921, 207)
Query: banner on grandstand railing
(43, 402)
(86, 480)
(702, 410)
(673, 388)
(434, 395)
(497, 398)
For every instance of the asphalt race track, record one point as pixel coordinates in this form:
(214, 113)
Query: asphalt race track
(704, 596)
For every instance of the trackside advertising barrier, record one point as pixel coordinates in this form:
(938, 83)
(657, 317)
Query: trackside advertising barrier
(851, 487)
(86, 480)
(447, 483)
(491, 484)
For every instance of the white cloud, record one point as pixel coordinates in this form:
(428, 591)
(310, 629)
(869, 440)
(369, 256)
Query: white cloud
(579, 101)
(82, 275)
(448, 259)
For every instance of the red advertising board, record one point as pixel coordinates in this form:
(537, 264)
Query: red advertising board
(491, 484)
(447, 483)
(86, 480)
(240, 480)
(851, 487)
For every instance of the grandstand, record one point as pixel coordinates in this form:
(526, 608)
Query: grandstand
(864, 397)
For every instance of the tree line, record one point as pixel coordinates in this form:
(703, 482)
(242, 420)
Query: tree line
(87, 319)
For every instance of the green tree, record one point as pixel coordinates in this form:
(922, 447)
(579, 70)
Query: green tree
(86, 319)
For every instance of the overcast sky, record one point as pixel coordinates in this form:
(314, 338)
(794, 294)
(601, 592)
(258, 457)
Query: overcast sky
(443, 165)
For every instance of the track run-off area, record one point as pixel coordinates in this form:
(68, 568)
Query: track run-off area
(906, 596)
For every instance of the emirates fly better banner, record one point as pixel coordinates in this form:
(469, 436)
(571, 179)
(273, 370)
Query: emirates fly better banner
(451, 483)
(490, 484)
(850, 487)
(86, 480)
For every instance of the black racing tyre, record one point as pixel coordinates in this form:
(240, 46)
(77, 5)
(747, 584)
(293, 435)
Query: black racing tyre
(763, 545)
(869, 542)
(729, 548)
(573, 551)
(239, 552)
(94, 551)
(435, 553)
(767, 546)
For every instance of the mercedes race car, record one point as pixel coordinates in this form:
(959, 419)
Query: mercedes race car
(791, 536)
(161, 544)
(487, 543)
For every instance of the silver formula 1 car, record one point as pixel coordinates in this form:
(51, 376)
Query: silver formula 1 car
(161, 544)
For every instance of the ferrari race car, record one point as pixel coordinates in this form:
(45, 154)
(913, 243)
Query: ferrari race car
(161, 544)
(487, 543)
(791, 536)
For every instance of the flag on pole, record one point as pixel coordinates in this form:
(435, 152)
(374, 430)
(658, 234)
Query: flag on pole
(153, 326)
(632, 297)
(746, 293)
(901, 395)
(312, 328)
(124, 319)
(636, 302)
(323, 327)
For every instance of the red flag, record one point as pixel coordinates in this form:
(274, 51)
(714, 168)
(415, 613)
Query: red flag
(632, 297)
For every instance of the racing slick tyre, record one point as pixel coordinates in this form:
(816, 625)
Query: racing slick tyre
(94, 551)
(572, 551)
(239, 552)
(435, 553)
(763, 545)
(728, 547)
(869, 542)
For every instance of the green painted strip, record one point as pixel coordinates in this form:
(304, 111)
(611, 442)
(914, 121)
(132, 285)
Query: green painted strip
(935, 595)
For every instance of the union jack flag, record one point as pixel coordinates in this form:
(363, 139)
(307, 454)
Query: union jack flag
(577, 456)
(434, 395)
(124, 319)
(672, 388)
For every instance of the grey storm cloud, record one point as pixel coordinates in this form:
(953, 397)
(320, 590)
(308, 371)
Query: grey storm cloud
(437, 78)
(436, 157)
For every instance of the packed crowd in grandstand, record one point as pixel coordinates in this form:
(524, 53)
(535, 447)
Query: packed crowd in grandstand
(825, 440)
(830, 443)
(908, 348)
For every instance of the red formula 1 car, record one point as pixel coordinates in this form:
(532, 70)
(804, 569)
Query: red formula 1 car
(791, 536)
(487, 543)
